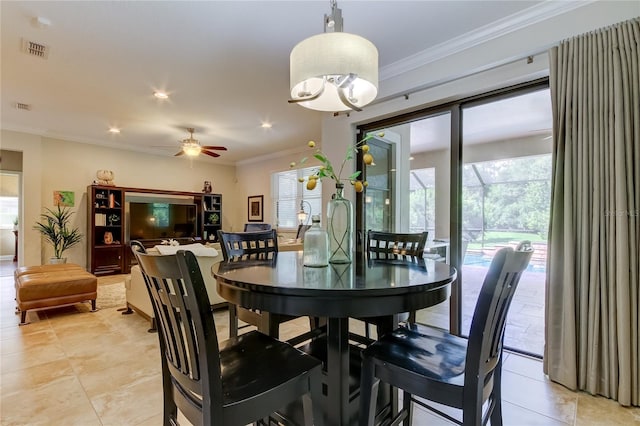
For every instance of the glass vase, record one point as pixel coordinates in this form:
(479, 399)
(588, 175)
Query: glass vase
(340, 227)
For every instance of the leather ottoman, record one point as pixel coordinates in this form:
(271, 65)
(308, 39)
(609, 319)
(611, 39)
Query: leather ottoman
(24, 270)
(49, 286)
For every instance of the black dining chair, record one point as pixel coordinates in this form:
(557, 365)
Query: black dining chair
(396, 247)
(393, 245)
(240, 246)
(437, 366)
(235, 382)
(253, 227)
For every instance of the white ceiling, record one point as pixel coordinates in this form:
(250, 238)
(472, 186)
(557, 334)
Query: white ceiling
(225, 64)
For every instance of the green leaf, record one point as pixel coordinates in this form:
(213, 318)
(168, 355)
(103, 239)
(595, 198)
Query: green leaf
(321, 157)
(355, 175)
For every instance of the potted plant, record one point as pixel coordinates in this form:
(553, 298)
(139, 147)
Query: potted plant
(54, 227)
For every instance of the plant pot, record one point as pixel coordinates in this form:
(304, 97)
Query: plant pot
(56, 260)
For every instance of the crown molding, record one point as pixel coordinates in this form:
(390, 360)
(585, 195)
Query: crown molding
(499, 28)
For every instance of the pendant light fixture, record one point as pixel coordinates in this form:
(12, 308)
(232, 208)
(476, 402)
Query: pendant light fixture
(334, 71)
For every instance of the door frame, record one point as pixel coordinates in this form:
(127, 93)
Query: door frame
(453, 107)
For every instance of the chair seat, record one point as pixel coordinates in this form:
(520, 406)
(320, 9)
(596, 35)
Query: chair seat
(254, 355)
(423, 361)
(423, 350)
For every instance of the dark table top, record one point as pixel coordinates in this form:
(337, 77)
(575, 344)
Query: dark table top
(370, 288)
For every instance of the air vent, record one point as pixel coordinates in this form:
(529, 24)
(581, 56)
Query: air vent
(23, 107)
(35, 49)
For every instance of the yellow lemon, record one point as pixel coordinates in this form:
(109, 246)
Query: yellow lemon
(358, 187)
(365, 183)
(381, 134)
(365, 148)
(367, 158)
(292, 164)
(311, 184)
(311, 144)
(300, 180)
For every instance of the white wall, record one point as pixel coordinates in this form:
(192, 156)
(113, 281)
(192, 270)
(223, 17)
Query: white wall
(53, 164)
(31, 148)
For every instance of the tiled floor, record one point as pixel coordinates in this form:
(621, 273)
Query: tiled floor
(73, 367)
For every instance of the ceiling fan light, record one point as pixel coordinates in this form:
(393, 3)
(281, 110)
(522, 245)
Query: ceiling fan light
(327, 59)
(191, 149)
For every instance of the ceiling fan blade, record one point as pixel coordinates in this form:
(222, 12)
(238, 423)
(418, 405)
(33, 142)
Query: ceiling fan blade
(179, 153)
(212, 154)
(220, 148)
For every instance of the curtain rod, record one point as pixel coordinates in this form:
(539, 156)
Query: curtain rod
(406, 94)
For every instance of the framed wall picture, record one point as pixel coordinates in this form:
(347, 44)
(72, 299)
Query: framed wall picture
(64, 198)
(255, 208)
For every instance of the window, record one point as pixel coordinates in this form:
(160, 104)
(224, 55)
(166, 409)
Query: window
(289, 192)
(422, 200)
(8, 211)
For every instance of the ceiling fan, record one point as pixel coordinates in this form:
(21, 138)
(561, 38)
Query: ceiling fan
(192, 147)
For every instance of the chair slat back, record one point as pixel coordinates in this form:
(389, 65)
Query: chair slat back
(390, 245)
(186, 327)
(248, 245)
(489, 317)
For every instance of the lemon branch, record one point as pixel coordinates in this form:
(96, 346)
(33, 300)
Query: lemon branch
(327, 170)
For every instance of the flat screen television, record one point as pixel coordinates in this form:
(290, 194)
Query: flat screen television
(161, 220)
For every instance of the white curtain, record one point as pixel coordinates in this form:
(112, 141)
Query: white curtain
(592, 323)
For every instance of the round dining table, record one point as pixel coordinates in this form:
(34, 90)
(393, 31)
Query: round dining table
(371, 288)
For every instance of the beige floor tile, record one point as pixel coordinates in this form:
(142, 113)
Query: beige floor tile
(59, 402)
(546, 398)
(518, 416)
(152, 421)
(28, 342)
(91, 343)
(38, 356)
(423, 417)
(34, 377)
(10, 329)
(113, 357)
(596, 411)
(110, 379)
(73, 367)
(525, 366)
(130, 404)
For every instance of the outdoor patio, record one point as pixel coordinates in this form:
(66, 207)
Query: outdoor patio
(525, 322)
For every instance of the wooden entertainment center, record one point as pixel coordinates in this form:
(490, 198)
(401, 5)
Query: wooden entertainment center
(109, 231)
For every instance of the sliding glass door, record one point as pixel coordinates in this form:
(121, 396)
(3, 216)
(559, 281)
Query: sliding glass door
(475, 174)
(506, 189)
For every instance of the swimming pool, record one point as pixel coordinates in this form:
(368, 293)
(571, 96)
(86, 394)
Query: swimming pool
(475, 259)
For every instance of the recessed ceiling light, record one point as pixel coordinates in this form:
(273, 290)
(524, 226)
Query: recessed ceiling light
(161, 95)
(114, 130)
(40, 22)
(266, 125)
(410, 158)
